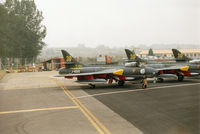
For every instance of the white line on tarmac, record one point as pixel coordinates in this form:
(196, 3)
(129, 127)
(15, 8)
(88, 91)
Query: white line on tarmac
(41, 109)
(117, 92)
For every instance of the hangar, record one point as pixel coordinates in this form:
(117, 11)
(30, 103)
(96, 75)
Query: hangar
(192, 53)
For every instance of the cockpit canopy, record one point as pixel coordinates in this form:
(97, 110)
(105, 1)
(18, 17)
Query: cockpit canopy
(195, 61)
(131, 64)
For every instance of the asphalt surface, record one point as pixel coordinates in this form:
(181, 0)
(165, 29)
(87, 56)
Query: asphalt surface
(47, 121)
(37, 103)
(172, 109)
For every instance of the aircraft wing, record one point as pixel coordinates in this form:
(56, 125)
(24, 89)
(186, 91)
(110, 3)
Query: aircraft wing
(171, 71)
(108, 71)
(181, 68)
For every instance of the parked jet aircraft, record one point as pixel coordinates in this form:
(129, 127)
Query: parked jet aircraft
(176, 70)
(151, 58)
(194, 64)
(132, 57)
(179, 57)
(96, 74)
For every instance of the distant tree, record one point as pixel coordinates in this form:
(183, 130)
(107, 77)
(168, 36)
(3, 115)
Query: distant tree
(4, 17)
(151, 52)
(3, 40)
(22, 30)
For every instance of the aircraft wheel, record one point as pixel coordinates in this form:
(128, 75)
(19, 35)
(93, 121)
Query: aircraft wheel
(121, 82)
(180, 78)
(92, 86)
(160, 79)
(154, 80)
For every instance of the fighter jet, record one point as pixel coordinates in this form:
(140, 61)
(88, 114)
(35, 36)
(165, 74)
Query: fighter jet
(151, 58)
(132, 57)
(194, 64)
(179, 57)
(175, 70)
(99, 74)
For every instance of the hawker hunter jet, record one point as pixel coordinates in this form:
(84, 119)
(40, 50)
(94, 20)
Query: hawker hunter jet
(175, 70)
(99, 74)
(179, 57)
(151, 58)
(132, 57)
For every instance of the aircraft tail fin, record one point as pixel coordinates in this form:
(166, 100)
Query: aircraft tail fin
(69, 60)
(132, 56)
(179, 56)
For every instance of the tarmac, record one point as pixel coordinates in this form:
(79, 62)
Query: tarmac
(38, 103)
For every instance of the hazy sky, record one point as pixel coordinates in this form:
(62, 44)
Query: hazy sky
(120, 22)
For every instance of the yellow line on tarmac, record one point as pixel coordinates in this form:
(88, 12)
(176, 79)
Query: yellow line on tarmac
(94, 121)
(41, 109)
(86, 115)
(98, 122)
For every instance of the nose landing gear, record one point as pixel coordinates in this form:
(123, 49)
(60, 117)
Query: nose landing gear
(144, 83)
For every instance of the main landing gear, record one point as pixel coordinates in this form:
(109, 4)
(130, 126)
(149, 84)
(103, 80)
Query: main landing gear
(160, 80)
(121, 83)
(180, 77)
(92, 86)
(155, 80)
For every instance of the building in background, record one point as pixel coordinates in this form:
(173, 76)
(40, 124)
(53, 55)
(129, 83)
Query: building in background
(52, 64)
(192, 53)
